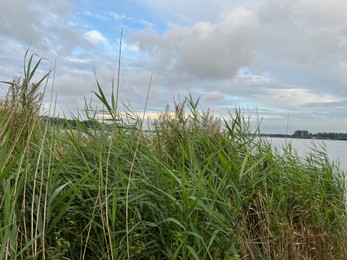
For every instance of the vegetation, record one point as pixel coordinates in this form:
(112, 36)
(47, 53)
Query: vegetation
(184, 190)
(307, 135)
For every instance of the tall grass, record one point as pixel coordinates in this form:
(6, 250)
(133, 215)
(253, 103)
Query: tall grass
(191, 187)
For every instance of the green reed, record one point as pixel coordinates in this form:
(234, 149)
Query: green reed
(192, 186)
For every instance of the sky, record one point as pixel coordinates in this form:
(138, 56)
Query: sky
(281, 61)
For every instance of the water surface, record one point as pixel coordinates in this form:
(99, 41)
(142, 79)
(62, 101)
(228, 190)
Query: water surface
(335, 149)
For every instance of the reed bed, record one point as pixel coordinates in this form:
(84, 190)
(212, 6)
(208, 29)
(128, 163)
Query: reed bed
(191, 186)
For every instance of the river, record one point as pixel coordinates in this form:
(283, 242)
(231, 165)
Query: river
(335, 149)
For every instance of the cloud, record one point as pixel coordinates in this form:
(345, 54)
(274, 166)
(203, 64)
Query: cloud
(279, 56)
(38, 22)
(204, 50)
(188, 12)
(295, 97)
(213, 97)
(95, 37)
(307, 37)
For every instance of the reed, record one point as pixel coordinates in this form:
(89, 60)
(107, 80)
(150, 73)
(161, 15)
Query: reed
(191, 186)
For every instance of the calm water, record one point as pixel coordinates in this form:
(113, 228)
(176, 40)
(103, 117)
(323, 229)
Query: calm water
(336, 150)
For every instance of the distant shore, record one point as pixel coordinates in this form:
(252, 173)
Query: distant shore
(303, 134)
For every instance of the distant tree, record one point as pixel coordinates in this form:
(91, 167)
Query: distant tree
(301, 134)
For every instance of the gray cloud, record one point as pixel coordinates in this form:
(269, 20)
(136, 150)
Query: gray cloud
(305, 39)
(204, 50)
(40, 22)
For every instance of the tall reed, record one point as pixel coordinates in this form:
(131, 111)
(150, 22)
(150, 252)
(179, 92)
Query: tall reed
(192, 186)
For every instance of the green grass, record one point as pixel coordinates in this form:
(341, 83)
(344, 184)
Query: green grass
(186, 189)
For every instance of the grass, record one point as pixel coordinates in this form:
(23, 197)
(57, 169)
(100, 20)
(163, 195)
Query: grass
(192, 187)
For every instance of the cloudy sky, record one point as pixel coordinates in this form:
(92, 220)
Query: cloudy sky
(285, 60)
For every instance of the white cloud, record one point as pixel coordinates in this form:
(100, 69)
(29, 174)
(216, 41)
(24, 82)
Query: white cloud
(95, 37)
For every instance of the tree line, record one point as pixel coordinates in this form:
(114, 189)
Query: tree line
(307, 135)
